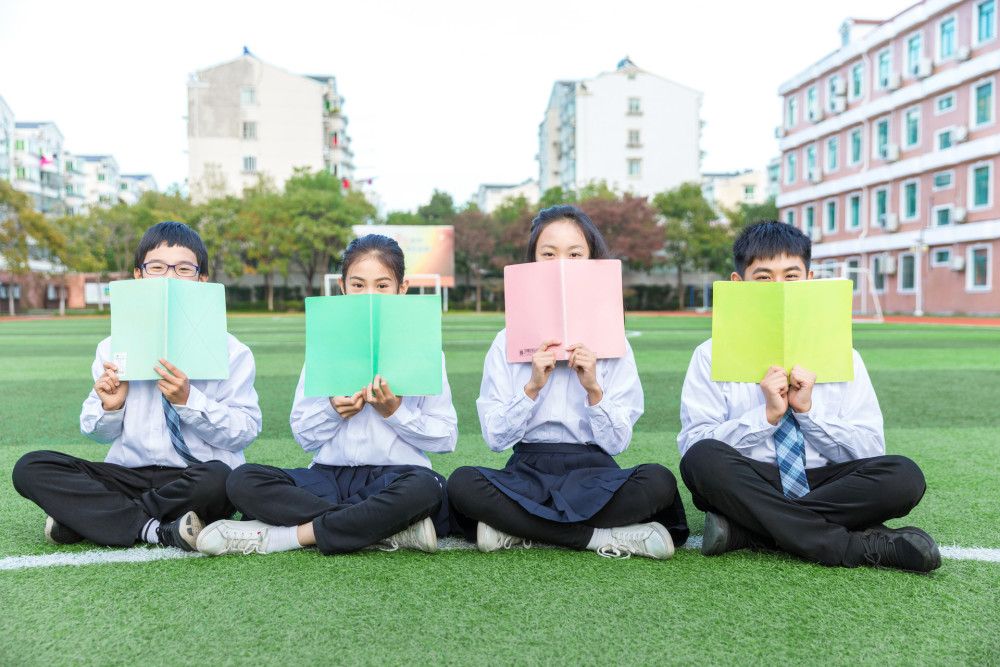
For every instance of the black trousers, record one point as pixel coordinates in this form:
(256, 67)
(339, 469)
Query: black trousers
(270, 495)
(650, 494)
(820, 526)
(108, 504)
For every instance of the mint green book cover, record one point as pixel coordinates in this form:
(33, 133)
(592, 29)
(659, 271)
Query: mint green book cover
(182, 321)
(352, 338)
(756, 325)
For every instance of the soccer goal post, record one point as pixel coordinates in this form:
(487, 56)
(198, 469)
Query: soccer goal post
(867, 306)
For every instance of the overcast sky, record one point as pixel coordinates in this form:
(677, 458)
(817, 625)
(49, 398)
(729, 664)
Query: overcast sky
(443, 95)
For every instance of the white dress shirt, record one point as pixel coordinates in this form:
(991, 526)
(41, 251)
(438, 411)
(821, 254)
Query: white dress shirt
(844, 423)
(220, 419)
(420, 424)
(560, 412)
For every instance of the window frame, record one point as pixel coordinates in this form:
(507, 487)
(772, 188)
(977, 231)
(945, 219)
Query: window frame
(971, 179)
(951, 180)
(970, 268)
(906, 127)
(848, 227)
(877, 258)
(973, 102)
(250, 165)
(938, 56)
(912, 67)
(976, 41)
(851, 96)
(791, 165)
(950, 207)
(830, 226)
(937, 101)
(876, 149)
(636, 162)
(861, 146)
(875, 222)
(900, 260)
(937, 139)
(835, 153)
(879, 83)
(935, 263)
(903, 215)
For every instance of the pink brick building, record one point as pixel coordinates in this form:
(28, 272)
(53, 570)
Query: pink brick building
(889, 157)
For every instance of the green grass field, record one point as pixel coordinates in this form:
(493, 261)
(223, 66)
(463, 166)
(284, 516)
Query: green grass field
(938, 388)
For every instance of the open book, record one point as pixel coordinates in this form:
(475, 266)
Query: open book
(352, 338)
(182, 321)
(572, 301)
(756, 325)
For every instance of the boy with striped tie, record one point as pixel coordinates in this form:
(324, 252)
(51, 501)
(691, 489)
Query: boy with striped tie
(173, 441)
(789, 464)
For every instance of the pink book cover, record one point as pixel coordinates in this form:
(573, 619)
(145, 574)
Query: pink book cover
(572, 301)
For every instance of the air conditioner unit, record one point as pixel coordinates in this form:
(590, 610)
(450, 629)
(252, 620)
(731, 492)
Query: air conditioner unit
(960, 133)
(894, 81)
(963, 53)
(924, 68)
(957, 263)
(892, 222)
(889, 265)
(959, 214)
(816, 115)
(840, 87)
(839, 104)
(815, 176)
(890, 152)
(816, 234)
(779, 132)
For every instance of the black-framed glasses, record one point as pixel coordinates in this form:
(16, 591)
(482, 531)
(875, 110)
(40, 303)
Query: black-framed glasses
(182, 270)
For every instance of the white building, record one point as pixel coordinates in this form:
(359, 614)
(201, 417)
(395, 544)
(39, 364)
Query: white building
(6, 140)
(634, 130)
(74, 184)
(102, 180)
(132, 186)
(491, 196)
(730, 189)
(247, 118)
(38, 150)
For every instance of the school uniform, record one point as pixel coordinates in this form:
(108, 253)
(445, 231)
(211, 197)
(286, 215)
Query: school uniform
(562, 480)
(729, 463)
(144, 475)
(370, 477)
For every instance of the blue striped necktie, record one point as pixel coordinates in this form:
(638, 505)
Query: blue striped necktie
(176, 437)
(790, 449)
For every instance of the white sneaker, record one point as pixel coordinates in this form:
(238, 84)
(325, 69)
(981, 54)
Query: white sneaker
(490, 539)
(641, 539)
(234, 537)
(420, 535)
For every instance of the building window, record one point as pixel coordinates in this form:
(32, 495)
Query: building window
(832, 84)
(21, 173)
(248, 97)
(634, 167)
(792, 112)
(942, 216)
(250, 164)
(884, 63)
(907, 274)
(123, 186)
(878, 273)
(854, 212)
(832, 144)
(790, 168)
(249, 130)
(830, 225)
(773, 172)
(943, 139)
(852, 270)
(634, 108)
(748, 192)
(944, 180)
(810, 220)
(913, 48)
(941, 257)
(912, 127)
(981, 185)
(881, 137)
(984, 103)
(812, 103)
(944, 104)
(810, 159)
(101, 177)
(946, 38)
(977, 271)
(633, 139)
(856, 146)
(790, 217)
(881, 205)
(857, 80)
(986, 21)
(909, 202)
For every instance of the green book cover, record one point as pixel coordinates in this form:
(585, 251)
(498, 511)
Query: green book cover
(352, 338)
(182, 321)
(756, 325)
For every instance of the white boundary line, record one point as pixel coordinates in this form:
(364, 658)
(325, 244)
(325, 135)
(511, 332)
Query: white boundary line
(147, 555)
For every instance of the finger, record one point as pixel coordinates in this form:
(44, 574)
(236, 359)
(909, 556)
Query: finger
(108, 366)
(173, 369)
(574, 346)
(546, 344)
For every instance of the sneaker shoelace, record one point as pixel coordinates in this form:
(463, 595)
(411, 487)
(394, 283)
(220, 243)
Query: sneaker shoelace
(509, 541)
(624, 546)
(242, 541)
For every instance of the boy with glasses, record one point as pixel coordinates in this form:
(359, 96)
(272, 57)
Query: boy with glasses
(173, 441)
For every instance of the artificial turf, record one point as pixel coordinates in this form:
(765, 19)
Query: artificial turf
(937, 387)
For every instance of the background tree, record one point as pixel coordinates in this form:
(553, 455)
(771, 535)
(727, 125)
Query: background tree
(83, 251)
(745, 214)
(264, 232)
(475, 240)
(440, 210)
(687, 233)
(24, 233)
(629, 227)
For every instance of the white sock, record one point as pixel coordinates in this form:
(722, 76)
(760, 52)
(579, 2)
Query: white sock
(148, 532)
(600, 537)
(282, 538)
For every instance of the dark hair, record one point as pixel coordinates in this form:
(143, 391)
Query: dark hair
(170, 233)
(595, 242)
(768, 239)
(382, 248)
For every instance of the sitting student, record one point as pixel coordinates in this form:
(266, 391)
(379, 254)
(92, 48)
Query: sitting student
(173, 441)
(565, 421)
(370, 480)
(793, 465)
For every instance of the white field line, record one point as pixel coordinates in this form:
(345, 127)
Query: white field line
(146, 555)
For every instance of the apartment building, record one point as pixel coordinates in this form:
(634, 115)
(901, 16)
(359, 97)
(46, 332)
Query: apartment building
(727, 190)
(491, 196)
(246, 118)
(37, 164)
(632, 129)
(132, 186)
(101, 180)
(889, 157)
(6, 140)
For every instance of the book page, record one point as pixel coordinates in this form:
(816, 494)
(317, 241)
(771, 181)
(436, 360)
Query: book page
(197, 342)
(748, 332)
(138, 326)
(818, 328)
(533, 308)
(408, 339)
(595, 312)
(338, 344)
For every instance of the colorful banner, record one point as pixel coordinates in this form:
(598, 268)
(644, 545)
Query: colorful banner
(427, 249)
